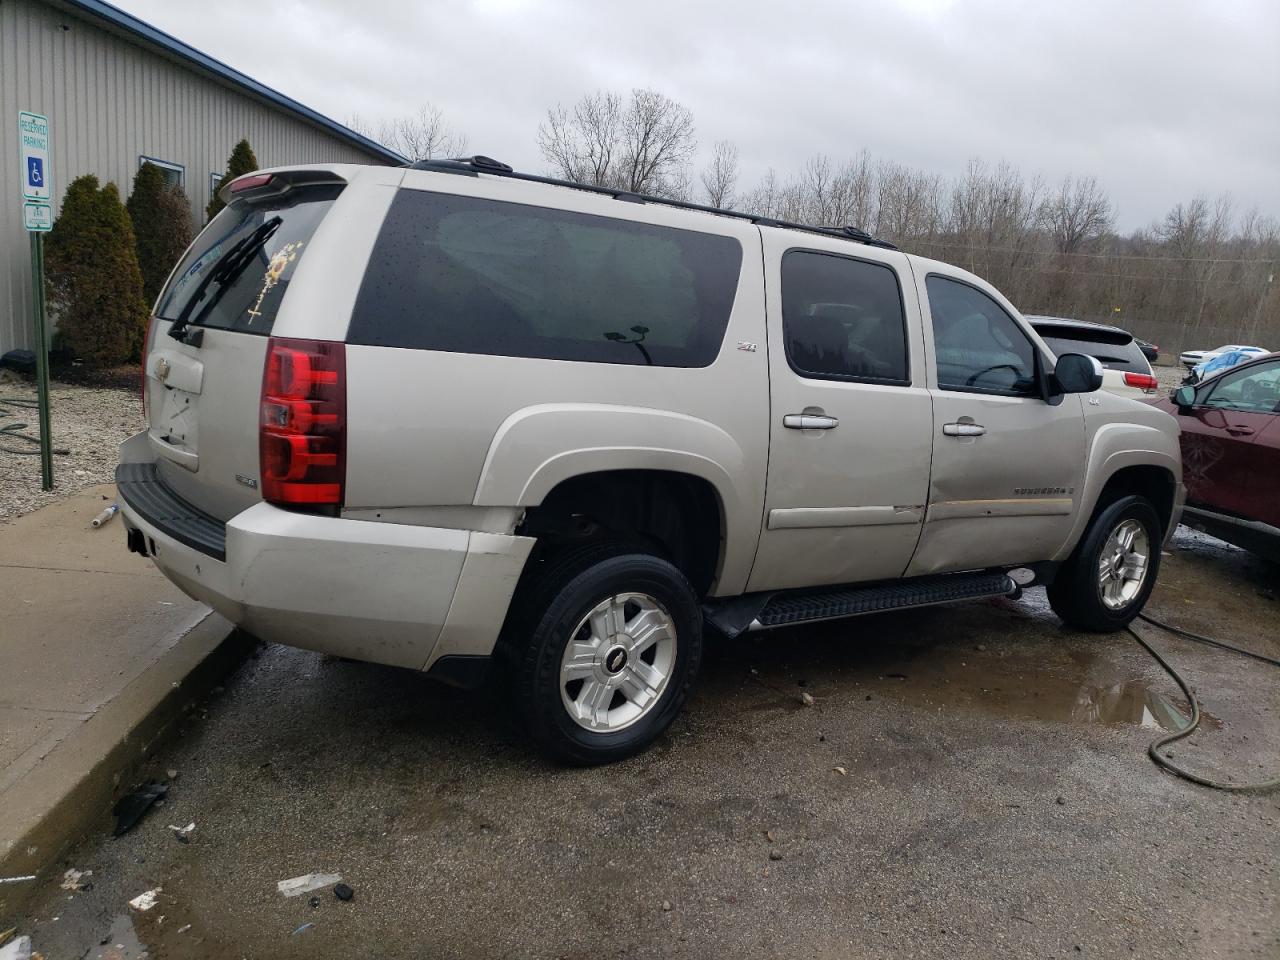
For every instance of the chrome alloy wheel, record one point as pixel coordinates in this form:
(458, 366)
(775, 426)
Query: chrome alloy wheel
(1122, 565)
(617, 662)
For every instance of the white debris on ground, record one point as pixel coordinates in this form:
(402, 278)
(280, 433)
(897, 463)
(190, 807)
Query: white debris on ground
(307, 882)
(146, 900)
(89, 421)
(74, 879)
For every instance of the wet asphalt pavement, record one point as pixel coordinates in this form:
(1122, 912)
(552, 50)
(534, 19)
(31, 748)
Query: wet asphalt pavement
(970, 781)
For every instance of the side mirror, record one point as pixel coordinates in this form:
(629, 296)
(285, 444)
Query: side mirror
(1184, 398)
(1076, 373)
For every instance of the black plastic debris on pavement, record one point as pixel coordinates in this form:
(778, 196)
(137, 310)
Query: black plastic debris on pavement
(343, 892)
(130, 808)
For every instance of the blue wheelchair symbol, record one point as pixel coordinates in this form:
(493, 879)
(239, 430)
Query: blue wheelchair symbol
(35, 171)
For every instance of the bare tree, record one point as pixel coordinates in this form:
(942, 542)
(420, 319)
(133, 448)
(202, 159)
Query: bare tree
(765, 198)
(1077, 215)
(1185, 228)
(642, 145)
(420, 136)
(581, 143)
(721, 178)
(907, 204)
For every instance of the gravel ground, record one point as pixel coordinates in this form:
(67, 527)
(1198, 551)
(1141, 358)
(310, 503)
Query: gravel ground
(1169, 378)
(89, 422)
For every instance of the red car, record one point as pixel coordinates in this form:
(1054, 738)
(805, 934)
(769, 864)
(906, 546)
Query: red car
(1231, 454)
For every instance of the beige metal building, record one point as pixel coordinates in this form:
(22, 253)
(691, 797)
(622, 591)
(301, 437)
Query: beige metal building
(118, 91)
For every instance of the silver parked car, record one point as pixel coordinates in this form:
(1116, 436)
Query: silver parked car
(435, 415)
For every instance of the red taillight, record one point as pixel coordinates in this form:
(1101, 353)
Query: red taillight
(302, 423)
(1142, 380)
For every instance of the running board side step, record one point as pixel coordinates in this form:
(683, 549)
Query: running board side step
(765, 611)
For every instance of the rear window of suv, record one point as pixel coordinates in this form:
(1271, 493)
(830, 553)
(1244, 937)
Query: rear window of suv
(1114, 350)
(238, 270)
(469, 275)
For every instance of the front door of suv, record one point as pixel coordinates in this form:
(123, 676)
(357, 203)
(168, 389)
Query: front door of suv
(849, 415)
(1007, 465)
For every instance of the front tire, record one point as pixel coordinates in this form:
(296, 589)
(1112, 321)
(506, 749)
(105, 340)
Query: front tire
(610, 649)
(1109, 576)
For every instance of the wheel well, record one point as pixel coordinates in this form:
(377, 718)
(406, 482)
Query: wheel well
(1154, 483)
(677, 515)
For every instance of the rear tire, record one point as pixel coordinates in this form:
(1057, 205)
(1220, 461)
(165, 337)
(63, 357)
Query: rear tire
(608, 643)
(1109, 576)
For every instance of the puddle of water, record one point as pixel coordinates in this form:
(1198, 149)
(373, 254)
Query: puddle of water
(122, 942)
(1131, 702)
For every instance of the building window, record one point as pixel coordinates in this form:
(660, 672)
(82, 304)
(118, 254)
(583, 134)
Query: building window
(215, 179)
(174, 173)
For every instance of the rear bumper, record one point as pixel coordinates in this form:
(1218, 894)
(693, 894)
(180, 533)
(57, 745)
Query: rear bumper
(398, 594)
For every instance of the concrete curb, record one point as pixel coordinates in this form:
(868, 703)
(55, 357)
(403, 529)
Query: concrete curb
(71, 790)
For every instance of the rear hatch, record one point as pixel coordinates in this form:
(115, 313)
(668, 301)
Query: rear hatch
(1124, 364)
(208, 339)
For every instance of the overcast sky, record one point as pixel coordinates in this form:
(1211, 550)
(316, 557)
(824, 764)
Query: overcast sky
(1160, 100)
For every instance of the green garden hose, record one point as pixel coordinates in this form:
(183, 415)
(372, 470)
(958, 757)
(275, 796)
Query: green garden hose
(13, 431)
(1154, 750)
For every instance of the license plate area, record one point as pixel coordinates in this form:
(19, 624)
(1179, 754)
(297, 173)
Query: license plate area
(175, 395)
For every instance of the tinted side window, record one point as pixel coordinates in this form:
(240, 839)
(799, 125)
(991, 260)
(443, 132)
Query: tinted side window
(1256, 390)
(481, 276)
(842, 319)
(978, 346)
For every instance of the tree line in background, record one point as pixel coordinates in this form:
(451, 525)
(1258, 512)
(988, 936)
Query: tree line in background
(106, 261)
(1201, 276)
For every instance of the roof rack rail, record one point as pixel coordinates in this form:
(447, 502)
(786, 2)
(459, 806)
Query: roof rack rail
(476, 165)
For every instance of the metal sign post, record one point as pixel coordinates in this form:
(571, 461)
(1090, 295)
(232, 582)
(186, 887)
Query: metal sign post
(37, 218)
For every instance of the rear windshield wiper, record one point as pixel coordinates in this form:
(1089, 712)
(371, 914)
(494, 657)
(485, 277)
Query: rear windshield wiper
(229, 266)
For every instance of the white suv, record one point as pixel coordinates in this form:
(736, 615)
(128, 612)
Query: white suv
(1125, 369)
(439, 415)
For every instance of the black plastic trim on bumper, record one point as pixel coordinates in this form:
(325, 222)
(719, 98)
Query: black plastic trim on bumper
(140, 486)
(467, 671)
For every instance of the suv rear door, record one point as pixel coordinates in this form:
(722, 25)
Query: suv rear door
(850, 418)
(1007, 466)
(208, 339)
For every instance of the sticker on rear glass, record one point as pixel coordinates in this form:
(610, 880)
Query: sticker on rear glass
(276, 267)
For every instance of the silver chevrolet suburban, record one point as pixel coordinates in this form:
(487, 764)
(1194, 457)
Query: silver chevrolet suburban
(446, 415)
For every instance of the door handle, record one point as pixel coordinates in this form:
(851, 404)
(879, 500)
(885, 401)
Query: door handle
(809, 421)
(1240, 431)
(963, 429)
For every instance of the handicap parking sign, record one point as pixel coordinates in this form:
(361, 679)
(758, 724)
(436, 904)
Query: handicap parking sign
(33, 137)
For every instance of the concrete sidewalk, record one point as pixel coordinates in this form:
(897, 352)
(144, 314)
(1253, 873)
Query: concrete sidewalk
(98, 651)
